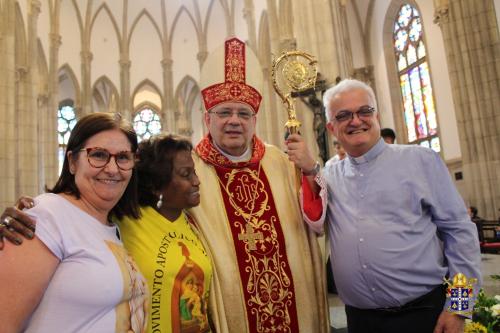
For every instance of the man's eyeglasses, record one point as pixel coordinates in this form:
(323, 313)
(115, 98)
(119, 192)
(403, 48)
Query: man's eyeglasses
(242, 114)
(363, 113)
(100, 157)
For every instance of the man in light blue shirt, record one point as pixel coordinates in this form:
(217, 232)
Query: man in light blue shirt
(396, 223)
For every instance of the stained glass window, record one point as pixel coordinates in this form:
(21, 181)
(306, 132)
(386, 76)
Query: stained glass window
(414, 77)
(146, 123)
(66, 120)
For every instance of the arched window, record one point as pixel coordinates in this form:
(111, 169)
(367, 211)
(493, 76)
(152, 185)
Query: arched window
(146, 123)
(66, 120)
(414, 77)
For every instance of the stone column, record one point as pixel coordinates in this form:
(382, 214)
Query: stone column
(167, 112)
(344, 52)
(27, 178)
(51, 145)
(7, 104)
(202, 56)
(126, 107)
(47, 148)
(472, 47)
(86, 82)
(249, 16)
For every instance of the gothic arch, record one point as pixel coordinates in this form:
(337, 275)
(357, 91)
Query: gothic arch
(66, 73)
(20, 43)
(207, 18)
(78, 15)
(146, 83)
(104, 7)
(228, 10)
(144, 14)
(105, 96)
(174, 26)
(188, 104)
(43, 69)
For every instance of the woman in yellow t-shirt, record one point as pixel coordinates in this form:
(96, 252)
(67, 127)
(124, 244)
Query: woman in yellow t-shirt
(164, 241)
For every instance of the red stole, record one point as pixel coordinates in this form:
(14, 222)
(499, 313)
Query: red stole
(257, 235)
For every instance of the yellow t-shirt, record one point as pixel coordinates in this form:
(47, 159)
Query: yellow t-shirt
(178, 270)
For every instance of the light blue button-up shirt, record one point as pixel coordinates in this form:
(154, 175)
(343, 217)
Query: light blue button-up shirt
(397, 226)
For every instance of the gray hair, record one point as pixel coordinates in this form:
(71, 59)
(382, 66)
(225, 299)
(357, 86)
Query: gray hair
(343, 86)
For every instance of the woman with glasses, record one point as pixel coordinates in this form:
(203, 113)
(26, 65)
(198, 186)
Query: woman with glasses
(75, 275)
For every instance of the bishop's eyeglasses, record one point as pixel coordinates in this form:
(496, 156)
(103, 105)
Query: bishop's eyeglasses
(227, 113)
(364, 113)
(100, 157)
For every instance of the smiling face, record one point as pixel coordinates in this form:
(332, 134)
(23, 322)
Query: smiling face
(232, 134)
(358, 135)
(183, 191)
(101, 188)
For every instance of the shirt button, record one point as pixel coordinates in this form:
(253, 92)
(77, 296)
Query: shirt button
(361, 174)
(373, 289)
(362, 195)
(364, 266)
(361, 239)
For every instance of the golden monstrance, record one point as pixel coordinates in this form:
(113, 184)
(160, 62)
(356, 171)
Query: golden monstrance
(293, 72)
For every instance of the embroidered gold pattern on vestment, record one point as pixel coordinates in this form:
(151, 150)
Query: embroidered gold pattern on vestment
(269, 288)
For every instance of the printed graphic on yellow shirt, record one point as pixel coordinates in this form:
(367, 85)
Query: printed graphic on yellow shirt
(189, 308)
(131, 313)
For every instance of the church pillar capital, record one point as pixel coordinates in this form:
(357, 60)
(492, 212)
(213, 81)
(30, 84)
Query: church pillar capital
(78, 109)
(125, 64)
(36, 6)
(167, 63)
(21, 73)
(55, 40)
(186, 132)
(441, 14)
(202, 56)
(177, 114)
(87, 56)
(288, 44)
(42, 100)
(247, 13)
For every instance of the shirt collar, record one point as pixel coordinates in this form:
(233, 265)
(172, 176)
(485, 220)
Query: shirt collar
(371, 154)
(242, 158)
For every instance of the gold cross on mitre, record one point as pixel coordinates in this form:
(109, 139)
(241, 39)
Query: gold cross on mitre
(250, 237)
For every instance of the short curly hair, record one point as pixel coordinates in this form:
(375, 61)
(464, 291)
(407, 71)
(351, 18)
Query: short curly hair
(155, 164)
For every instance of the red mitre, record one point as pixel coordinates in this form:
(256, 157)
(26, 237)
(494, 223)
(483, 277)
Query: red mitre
(234, 88)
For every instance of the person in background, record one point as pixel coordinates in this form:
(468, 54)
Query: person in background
(472, 211)
(340, 153)
(397, 225)
(75, 275)
(388, 135)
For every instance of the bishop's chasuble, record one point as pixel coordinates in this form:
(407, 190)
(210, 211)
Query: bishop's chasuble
(267, 274)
